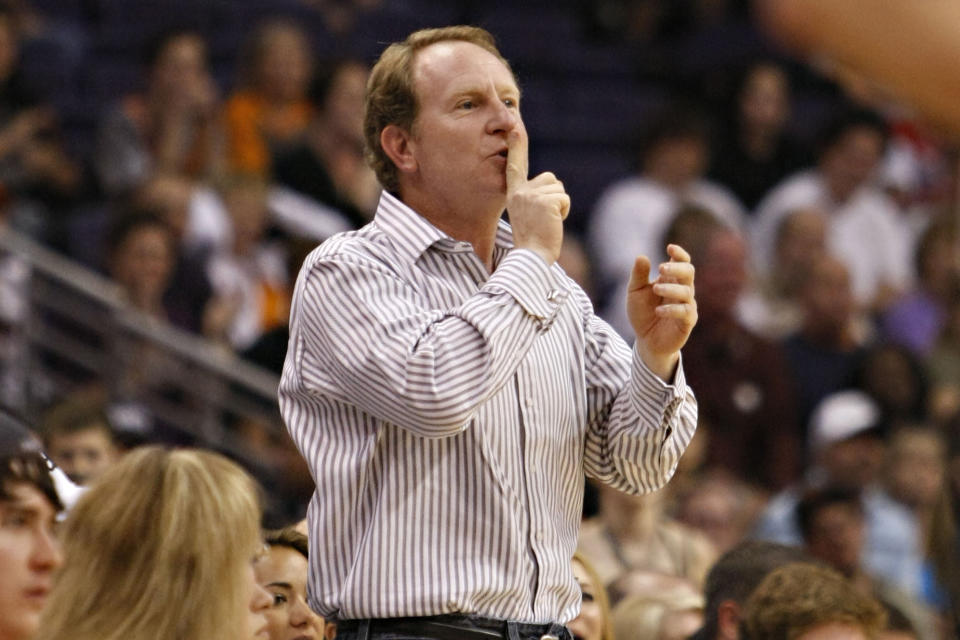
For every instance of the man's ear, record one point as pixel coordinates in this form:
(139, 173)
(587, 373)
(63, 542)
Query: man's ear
(329, 630)
(728, 620)
(396, 144)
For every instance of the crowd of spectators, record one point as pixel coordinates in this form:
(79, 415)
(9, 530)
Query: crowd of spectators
(826, 361)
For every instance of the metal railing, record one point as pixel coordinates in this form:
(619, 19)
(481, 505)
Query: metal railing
(64, 327)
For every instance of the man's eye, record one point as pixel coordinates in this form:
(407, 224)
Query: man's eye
(279, 599)
(510, 102)
(467, 104)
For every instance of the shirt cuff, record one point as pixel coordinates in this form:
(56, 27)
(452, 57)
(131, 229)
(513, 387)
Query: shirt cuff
(651, 390)
(526, 277)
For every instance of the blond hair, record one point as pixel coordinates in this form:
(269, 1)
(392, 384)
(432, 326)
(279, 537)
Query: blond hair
(391, 98)
(158, 548)
(600, 595)
(641, 614)
(799, 596)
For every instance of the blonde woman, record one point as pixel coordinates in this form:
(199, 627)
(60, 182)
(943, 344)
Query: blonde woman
(161, 548)
(594, 621)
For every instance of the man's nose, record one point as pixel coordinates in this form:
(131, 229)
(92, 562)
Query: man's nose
(504, 119)
(46, 554)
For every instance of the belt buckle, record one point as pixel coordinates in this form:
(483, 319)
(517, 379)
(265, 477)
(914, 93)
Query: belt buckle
(549, 636)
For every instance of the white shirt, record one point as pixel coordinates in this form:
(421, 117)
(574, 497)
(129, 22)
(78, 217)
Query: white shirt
(864, 232)
(448, 416)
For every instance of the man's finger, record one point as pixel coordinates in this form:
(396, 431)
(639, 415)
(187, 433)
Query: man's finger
(677, 271)
(516, 160)
(676, 292)
(640, 276)
(677, 253)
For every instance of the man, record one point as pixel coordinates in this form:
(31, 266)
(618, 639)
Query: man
(29, 553)
(732, 579)
(744, 388)
(450, 386)
(833, 525)
(802, 601)
(847, 448)
(825, 350)
(78, 437)
(864, 226)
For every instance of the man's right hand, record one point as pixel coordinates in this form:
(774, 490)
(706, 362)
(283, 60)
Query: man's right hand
(537, 207)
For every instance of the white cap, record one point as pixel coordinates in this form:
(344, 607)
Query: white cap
(840, 416)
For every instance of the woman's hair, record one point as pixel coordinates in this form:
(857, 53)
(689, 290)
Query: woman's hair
(600, 595)
(288, 537)
(158, 548)
(641, 615)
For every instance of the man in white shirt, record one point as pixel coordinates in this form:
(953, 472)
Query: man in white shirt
(449, 386)
(864, 227)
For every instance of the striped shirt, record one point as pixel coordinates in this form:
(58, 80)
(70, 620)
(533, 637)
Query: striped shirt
(448, 416)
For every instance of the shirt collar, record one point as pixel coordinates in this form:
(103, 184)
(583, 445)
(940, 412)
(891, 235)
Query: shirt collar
(413, 234)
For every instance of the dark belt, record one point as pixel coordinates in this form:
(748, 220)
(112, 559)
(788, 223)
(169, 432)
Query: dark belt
(453, 627)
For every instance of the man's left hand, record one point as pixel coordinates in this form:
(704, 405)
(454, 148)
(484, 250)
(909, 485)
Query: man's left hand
(662, 312)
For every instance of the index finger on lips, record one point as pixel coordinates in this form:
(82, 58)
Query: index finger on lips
(517, 161)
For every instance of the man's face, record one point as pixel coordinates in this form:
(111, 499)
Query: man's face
(83, 455)
(837, 537)
(468, 104)
(827, 297)
(854, 463)
(29, 554)
(834, 631)
(852, 160)
(181, 66)
(677, 161)
(765, 100)
(722, 274)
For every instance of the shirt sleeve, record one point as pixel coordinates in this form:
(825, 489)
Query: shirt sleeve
(638, 425)
(363, 335)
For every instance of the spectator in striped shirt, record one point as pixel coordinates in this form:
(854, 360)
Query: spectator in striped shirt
(450, 386)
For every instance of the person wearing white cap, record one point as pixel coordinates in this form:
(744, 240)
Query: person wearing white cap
(847, 449)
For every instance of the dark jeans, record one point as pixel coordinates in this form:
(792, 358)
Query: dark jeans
(447, 627)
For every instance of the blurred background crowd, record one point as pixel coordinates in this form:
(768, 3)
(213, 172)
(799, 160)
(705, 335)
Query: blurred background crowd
(165, 166)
